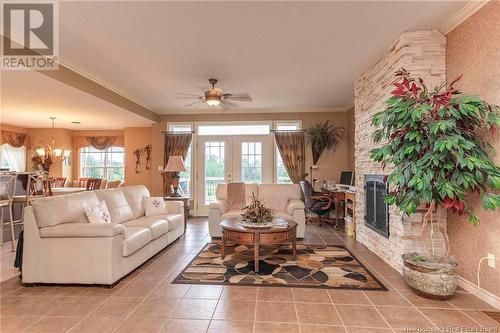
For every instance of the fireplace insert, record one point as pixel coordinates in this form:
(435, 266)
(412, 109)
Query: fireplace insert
(376, 210)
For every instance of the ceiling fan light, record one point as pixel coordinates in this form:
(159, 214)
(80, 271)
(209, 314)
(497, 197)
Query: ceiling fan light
(213, 102)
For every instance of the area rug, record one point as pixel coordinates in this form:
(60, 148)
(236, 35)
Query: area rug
(316, 266)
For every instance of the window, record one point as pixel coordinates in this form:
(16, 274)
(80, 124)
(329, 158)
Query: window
(281, 174)
(185, 177)
(105, 164)
(13, 159)
(251, 162)
(234, 129)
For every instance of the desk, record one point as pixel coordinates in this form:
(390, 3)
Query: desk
(185, 200)
(338, 196)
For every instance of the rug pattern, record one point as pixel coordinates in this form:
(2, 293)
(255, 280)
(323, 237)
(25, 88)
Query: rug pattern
(316, 266)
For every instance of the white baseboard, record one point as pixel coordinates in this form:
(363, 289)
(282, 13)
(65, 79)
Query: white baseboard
(481, 293)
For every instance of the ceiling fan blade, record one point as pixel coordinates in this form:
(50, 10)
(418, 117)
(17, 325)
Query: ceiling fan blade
(243, 97)
(191, 104)
(229, 104)
(187, 97)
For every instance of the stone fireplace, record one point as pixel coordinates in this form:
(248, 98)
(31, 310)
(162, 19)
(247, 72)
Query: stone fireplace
(422, 53)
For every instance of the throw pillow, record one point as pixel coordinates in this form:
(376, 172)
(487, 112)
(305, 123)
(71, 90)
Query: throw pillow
(98, 213)
(153, 206)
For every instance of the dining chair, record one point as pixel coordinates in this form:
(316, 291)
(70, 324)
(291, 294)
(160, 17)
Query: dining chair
(59, 182)
(93, 184)
(114, 184)
(317, 203)
(7, 190)
(37, 186)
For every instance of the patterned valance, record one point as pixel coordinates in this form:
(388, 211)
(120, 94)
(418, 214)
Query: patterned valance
(98, 142)
(15, 139)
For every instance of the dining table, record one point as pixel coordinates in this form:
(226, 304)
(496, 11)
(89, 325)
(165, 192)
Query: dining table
(66, 190)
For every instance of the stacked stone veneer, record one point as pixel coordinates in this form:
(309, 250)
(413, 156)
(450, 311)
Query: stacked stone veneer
(422, 53)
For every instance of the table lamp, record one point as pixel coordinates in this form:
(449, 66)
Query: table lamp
(175, 165)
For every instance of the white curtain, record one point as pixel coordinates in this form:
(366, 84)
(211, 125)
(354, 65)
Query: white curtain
(13, 158)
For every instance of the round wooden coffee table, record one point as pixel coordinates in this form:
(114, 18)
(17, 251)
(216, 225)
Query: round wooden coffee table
(232, 230)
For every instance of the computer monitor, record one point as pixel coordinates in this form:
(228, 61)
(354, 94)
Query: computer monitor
(346, 178)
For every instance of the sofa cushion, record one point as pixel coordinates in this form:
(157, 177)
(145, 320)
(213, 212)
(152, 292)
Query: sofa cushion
(117, 204)
(276, 196)
(221, 191)
(174, 221)
(69, 208)
(92, 230)
(135, 195)
(157, 224)
(135, 238)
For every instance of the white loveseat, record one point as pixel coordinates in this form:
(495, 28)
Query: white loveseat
(284, 199)
(60, 246)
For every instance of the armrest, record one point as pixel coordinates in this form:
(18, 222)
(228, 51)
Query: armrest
(220, 205)
(83, 230)
(174, 207)
(294, 204)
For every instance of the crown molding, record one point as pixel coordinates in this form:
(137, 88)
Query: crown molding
(463, 14)
(209, 110)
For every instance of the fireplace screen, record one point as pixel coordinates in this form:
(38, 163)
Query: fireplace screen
(377, 211)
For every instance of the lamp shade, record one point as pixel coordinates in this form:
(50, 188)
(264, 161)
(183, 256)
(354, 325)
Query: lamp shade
(175, 164)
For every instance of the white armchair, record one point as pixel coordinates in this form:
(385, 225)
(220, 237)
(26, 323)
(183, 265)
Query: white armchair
(284, 199)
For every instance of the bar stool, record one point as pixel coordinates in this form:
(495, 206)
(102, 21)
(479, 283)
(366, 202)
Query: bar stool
(38, 186)
(7, 190)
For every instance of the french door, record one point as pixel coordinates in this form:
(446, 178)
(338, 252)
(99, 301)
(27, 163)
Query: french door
(223, 159)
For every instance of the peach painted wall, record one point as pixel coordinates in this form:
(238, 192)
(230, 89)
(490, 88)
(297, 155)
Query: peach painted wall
(474, 50)
(137, 137)
(13, 128)
(329, 166)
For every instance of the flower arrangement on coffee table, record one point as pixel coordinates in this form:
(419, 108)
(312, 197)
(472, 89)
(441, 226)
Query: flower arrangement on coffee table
(256, 215)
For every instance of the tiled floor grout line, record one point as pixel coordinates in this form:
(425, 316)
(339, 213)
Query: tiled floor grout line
(127, 283)
(296, 311)
(215, 309)
(337, 311)
(461, 310)
(413, 305)
(255, 312)
(380, 314)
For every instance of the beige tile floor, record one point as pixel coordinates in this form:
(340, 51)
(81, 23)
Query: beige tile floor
(146, 301)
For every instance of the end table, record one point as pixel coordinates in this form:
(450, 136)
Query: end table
(185, 200)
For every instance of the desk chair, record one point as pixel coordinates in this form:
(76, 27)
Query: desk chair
(317, 203)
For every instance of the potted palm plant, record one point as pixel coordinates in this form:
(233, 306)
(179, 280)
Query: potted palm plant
(323, 137)
(433, 140)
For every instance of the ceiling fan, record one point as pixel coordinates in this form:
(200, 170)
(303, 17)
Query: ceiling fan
(217, 97)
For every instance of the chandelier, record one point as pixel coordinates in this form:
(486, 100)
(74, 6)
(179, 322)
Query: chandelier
(45, 151)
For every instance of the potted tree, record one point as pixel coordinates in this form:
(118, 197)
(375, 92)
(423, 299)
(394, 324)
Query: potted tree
(433, 139)
(323, 137)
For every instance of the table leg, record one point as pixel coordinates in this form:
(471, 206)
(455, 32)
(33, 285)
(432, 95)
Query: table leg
(223, 248)
(337, 207)
(256, 256)
(294, 247)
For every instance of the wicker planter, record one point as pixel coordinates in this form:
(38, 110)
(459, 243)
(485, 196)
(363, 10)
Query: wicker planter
(431, 277)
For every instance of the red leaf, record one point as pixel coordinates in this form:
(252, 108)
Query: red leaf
(448, 202)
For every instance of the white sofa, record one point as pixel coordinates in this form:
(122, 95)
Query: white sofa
(284, 199)
(60, 246)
